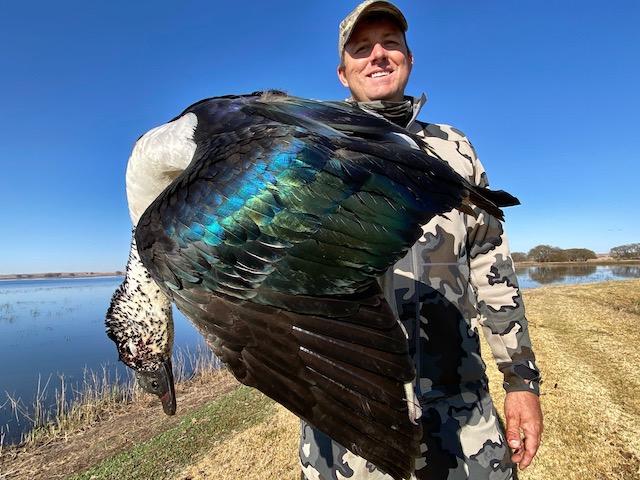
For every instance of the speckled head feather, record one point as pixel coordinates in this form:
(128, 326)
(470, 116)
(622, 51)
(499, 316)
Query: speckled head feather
(139, 319)
(140, 322)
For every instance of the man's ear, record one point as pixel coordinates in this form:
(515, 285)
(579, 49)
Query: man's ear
(342, 77)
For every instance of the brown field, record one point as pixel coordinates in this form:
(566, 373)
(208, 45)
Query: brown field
(586, 338)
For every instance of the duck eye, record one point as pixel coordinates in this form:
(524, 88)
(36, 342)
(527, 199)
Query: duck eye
(155, 385)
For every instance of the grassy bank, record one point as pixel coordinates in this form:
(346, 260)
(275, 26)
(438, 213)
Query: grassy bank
(586, 339)
(198, 432)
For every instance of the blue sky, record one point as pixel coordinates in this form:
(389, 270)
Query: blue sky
(547, 91)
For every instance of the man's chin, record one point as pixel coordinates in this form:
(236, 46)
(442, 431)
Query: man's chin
(386, 93)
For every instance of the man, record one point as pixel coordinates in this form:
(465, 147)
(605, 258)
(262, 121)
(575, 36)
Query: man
(457, 279)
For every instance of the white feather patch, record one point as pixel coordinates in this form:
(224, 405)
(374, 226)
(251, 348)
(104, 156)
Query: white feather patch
(158, 157)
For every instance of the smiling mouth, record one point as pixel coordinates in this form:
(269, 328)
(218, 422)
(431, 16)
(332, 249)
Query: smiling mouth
(380, 74)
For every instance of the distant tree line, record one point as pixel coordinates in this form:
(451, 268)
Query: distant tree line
(547, 253)
(626, 252)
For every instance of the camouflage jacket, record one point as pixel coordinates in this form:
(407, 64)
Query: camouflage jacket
(456, 280)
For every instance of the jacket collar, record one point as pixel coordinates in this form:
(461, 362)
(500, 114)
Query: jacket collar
(402, 113)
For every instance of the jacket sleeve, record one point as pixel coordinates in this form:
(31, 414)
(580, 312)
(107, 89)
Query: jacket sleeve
(500, 304)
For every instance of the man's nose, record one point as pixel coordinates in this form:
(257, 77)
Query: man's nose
(378, 52)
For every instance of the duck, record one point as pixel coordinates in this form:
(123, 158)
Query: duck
(270, 220)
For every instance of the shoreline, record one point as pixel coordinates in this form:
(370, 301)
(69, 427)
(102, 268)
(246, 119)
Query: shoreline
(121, 273)
(25, 276)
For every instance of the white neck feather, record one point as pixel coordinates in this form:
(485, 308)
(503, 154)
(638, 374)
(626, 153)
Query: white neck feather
(150, 310)
(158, 157)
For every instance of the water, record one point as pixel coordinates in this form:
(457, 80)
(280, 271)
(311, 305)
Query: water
(536, 276)
(55, 326)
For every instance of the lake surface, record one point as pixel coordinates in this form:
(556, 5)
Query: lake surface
(50, 327)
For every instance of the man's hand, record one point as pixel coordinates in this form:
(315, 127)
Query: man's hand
(524, 426)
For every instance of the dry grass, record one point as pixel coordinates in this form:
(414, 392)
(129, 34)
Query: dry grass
(586, 338)
(267, 450)
(74, 406)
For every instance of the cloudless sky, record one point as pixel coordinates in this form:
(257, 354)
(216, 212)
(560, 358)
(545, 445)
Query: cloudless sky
(547, 91)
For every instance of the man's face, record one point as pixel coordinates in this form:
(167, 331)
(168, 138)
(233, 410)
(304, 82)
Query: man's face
(377, 62)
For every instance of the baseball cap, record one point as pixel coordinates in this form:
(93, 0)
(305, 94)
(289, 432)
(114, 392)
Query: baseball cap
(369, 6)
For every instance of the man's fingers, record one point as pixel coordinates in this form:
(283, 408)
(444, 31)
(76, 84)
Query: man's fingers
(513, 437)
(531, 444)
(524, 450)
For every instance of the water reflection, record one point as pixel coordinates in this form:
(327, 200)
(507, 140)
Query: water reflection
(627, 271)
(546, 274)
(535, 276)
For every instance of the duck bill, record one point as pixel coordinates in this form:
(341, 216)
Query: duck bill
(160, 383)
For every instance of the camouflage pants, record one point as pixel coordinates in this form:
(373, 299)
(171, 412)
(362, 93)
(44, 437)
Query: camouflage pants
(463, 439)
